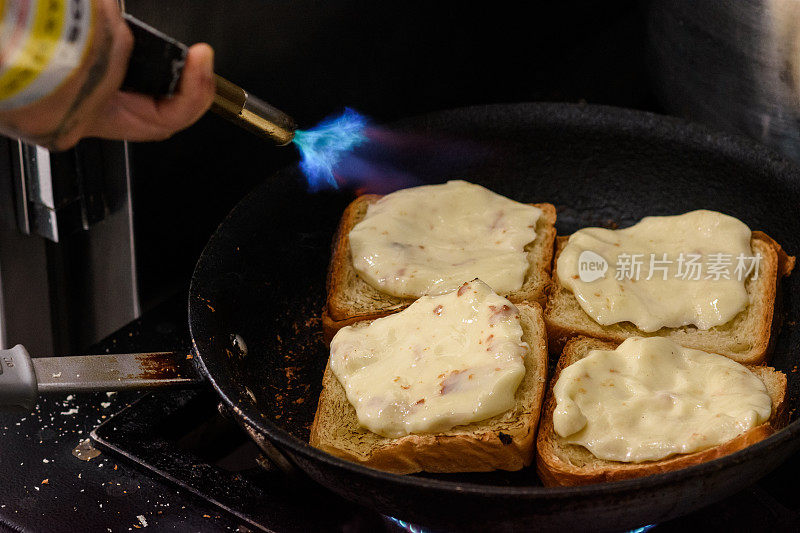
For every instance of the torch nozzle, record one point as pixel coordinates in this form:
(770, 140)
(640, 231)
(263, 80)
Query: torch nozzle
(251, 113)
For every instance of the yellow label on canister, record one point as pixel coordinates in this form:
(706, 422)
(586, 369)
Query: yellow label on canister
(41, 43)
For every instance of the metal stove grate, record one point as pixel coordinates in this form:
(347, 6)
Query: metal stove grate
(182, 437)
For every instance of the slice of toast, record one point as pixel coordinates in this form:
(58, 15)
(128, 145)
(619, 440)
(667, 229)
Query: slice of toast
(562, 464)
(351, 299)
(745, 339)
(503, 442)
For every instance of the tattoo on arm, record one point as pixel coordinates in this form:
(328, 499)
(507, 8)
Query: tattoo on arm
(95, 75)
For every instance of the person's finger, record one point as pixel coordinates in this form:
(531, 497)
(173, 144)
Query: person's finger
(195, 92)
(138, 117)
(112, 49)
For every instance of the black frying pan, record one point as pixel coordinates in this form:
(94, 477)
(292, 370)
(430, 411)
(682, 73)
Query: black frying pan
(259, 288)
(262, 277)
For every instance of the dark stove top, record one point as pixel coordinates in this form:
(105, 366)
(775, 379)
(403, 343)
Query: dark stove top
(170, 461)
(184, 437)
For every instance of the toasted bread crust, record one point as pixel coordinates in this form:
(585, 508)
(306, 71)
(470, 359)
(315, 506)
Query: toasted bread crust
(760, 317)
(499, 443)
(344, 283)
(553, 454)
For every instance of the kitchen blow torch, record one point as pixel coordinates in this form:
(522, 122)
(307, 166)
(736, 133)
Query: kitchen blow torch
(155, 68)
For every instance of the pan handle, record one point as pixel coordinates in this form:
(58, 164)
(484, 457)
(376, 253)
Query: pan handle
(22, 378)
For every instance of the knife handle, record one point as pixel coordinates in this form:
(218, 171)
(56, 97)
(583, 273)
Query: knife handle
(156, 62)
(18, 386)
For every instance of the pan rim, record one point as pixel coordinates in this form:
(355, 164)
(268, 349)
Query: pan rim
(638, 123)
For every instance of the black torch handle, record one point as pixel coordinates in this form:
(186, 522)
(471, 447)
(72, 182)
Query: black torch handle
(155, 68)
(156, 62)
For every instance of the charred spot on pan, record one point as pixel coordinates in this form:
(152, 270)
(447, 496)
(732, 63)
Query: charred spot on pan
(505, 439)
(610, 224)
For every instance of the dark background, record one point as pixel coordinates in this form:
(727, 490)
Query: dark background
(386, 60)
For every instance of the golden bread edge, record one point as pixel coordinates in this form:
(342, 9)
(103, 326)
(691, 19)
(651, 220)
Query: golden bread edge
(480, 451)
(779, 264)
(336, 316)
(553, 471)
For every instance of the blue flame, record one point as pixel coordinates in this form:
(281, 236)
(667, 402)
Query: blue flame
(411, 528)
(406, 526)
(324, 146)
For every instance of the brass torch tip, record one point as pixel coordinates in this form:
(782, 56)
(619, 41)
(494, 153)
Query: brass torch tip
(268, 120)
(251, 113)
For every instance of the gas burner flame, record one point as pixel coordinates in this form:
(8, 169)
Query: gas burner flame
(406, 526)
(411, 528)
(323, 147)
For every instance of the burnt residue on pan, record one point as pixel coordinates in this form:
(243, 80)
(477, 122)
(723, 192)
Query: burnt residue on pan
(304, 357)
(266, 322)
(286, 384)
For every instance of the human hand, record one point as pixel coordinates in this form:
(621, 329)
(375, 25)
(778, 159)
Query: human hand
(90, 104)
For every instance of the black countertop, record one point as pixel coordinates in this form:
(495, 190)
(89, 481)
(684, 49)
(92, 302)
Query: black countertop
(45, 487)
